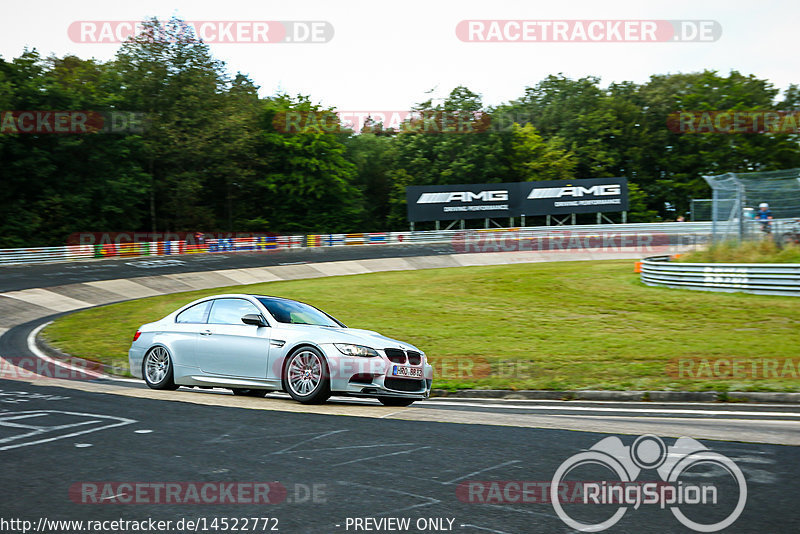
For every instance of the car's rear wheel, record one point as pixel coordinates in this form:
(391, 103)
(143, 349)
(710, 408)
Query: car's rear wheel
(242, 392)
(396, 401)
(157, 369)
(306, 377)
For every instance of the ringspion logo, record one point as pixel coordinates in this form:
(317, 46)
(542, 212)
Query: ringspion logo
(708, 507)
(210, 31)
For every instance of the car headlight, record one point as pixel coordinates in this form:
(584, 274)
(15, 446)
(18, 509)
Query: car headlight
(355, 350)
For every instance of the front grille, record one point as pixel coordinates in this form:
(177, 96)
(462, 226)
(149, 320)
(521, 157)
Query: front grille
(395, 355)
(402, 384)
(414, 358)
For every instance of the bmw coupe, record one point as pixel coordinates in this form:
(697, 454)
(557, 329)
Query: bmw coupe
(254, 344)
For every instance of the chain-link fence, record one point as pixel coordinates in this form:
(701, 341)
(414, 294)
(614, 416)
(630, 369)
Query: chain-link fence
(736, 201)
(700, 209)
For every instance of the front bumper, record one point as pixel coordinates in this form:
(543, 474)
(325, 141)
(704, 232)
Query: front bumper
(372, 376)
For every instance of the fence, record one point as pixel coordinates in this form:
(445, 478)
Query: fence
(759, 278)
(494, 239)
(736, 197)
(700, 209)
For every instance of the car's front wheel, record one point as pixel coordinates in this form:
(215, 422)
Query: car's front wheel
(157, 369)
(242, 392)
(396, 401)
(306, 376)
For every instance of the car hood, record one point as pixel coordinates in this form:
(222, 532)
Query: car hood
(356, 336)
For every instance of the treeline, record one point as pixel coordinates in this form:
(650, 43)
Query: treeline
(214, 157)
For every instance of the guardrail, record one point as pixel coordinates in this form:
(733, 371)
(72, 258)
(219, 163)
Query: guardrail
(758, 278)
(590, 237)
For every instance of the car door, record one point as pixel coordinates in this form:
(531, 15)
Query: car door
(227, 346)
(183, 334)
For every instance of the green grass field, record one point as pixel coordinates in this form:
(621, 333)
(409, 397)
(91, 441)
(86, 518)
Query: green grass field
(571, 325)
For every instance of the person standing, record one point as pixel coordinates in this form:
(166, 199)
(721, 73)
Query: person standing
(763, 216)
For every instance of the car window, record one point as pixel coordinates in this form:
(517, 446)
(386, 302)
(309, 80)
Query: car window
(194, 314)
(289, 311)
(230, 311)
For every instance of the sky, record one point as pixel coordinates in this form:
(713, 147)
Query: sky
(391, 55)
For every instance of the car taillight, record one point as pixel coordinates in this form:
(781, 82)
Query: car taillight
(136, 335)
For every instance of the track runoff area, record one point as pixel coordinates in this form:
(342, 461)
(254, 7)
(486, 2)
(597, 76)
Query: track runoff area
(109, 455)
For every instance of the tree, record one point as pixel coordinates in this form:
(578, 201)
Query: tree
(304, 182)
(169, 74)
(577, 111)
(448, 144)
(57, 184)
(375, 158)
(669, 165)
(532, 158)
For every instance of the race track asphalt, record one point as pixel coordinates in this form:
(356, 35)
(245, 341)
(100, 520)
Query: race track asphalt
(331, 467)
(442, 464)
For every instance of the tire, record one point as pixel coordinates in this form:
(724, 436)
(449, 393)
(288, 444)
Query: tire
(396, 401)
(157, 369)
(306, 377)
(241, 392)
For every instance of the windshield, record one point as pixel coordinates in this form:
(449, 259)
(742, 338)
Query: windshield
(291, 312)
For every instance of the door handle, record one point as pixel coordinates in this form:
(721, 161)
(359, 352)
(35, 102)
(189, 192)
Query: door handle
(205, 333)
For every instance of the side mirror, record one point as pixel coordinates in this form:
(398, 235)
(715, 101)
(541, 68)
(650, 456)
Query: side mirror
(254, 319)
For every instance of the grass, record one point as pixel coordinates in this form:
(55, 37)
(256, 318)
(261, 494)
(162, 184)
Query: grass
(762, 251)
(570, 325)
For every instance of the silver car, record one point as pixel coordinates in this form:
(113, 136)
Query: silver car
(254, 344)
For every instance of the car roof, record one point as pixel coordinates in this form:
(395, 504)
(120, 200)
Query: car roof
(242, 295)
(270, 297)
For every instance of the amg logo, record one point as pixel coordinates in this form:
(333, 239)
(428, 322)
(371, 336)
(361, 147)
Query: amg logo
(462, 196)
(569, 191)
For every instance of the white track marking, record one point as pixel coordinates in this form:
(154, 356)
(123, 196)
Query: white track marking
(66, 365)
(379, 456)
(649, 404)
(41, 355)
(482, 471)
(355, 447)
(41, 430)
(468, 525)
(24, 415)
(389, 414)
(319, 436)
(654, 410)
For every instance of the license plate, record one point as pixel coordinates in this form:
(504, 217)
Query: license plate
(406, 372)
